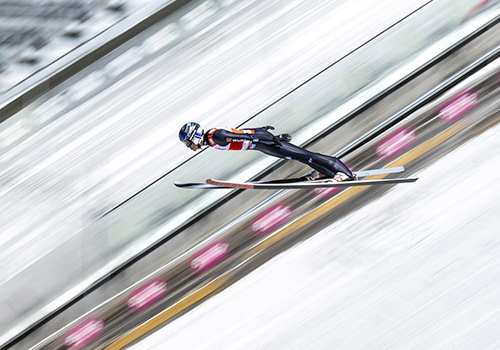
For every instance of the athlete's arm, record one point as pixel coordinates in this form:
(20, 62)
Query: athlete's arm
(223, 137)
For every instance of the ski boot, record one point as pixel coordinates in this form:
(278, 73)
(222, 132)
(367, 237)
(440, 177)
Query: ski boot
(339, 177)
(312, 176)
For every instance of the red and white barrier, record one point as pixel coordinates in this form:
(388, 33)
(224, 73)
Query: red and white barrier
(147, 295)
(272, 218)
(210, 256)
(458, 106)
(84, 333)
(396, 143)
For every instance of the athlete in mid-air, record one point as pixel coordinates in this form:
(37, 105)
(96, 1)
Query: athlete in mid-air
(260, 139)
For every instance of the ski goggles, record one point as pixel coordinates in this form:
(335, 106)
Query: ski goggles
(188, 143)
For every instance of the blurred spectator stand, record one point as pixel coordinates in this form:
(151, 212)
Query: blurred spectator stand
(36, 33)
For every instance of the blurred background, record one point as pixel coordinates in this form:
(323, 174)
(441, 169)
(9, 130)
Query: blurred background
(99, 249)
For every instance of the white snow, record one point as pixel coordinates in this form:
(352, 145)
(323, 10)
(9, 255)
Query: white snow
(417, 268)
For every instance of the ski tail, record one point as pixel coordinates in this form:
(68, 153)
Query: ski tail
(383, 171)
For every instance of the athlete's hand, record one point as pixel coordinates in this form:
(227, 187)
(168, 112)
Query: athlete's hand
(285, 137)
(277, 141)
(268, 127)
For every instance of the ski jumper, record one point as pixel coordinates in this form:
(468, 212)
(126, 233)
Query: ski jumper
(262, 140)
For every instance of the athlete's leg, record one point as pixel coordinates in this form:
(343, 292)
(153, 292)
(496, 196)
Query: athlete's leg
(327, 165)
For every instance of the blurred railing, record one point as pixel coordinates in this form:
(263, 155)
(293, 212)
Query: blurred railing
(461, 103)
(113, 239)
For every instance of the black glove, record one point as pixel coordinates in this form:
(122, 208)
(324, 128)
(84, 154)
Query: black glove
(281, 138)
(267, 127)
(285, 137)
(277, 141)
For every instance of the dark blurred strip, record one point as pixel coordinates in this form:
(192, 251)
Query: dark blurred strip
(25, 97)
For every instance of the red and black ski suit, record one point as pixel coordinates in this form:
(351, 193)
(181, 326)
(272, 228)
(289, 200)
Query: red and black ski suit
(262, 140)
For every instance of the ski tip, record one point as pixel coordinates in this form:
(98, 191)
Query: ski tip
(184, 184)
(196, 186)
(181, 184)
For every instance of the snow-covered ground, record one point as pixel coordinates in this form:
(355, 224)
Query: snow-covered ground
(417, 268)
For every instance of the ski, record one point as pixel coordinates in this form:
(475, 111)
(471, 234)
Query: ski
(361, 173)
(306, 185)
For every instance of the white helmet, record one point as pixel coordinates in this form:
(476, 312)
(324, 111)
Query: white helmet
(191, 133)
